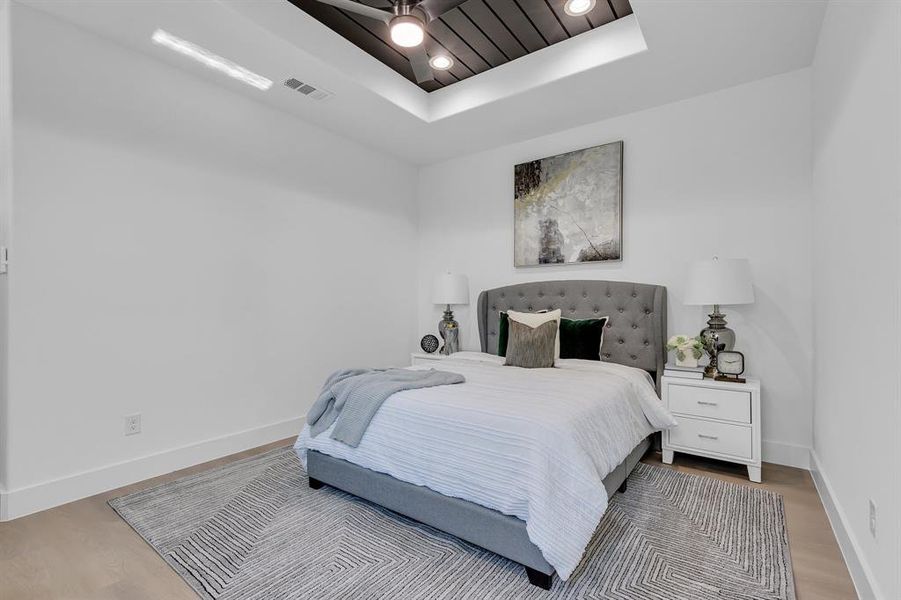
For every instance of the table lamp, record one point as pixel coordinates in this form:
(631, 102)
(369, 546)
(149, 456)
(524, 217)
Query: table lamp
(450, 289)
(715, 282)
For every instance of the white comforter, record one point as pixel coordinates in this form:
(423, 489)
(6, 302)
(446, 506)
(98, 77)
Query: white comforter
(532, 443)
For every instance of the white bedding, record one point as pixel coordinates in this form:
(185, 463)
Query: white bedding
(532, 443)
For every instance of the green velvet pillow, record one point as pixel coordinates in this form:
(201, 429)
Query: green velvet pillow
(503, 334)
(582, 338)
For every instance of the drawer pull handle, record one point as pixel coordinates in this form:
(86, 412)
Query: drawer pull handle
(708, 403)
(708, 437)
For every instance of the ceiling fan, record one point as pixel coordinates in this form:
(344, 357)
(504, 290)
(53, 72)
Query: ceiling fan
(407, 21)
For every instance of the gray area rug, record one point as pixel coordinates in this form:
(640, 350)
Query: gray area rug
(254, 529)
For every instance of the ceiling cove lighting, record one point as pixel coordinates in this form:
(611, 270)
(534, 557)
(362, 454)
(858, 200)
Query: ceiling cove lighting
(441, 62)
(406, 31)
(577, 8)
(213, 61)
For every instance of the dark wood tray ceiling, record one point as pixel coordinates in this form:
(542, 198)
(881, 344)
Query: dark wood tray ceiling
(478, 34)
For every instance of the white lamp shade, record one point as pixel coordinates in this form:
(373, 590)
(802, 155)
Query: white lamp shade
(450, 289)
(719, 281)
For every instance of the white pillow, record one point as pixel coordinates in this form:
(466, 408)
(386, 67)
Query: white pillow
(533, 320)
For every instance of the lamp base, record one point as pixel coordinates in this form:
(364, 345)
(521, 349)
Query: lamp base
(717, 337)
(451, 343)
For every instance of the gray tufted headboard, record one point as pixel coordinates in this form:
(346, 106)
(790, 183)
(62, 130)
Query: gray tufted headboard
(636, 331)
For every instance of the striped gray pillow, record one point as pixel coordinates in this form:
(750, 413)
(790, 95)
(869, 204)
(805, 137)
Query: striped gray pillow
(531, 348)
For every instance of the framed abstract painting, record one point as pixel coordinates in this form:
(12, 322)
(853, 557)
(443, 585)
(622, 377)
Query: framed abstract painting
(569, 208)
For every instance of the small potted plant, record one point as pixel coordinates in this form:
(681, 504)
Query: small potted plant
(688, 350)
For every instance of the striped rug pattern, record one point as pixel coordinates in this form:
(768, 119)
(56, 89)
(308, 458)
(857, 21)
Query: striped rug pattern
(253, 529)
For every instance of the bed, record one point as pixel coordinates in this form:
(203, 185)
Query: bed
(517, 461)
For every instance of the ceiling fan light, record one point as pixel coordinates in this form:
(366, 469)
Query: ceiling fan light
(577, 8)
(441, 62)
(406, 31)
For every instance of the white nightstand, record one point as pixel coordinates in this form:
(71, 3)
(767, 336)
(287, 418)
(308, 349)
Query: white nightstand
(716, 419)
(421, 358)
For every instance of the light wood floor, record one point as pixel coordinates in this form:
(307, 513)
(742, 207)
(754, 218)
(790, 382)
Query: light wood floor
(84, 550)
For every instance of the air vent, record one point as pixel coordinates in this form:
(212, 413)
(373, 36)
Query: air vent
(308, 90)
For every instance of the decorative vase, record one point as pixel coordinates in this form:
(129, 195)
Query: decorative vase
(688, 360)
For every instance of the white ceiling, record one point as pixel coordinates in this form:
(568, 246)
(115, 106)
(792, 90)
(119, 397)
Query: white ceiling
(693, 47)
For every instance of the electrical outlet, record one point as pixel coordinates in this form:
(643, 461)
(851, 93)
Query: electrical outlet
(872, 518)
(132, 424)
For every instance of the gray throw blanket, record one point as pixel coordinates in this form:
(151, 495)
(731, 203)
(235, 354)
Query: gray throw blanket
(351, 397)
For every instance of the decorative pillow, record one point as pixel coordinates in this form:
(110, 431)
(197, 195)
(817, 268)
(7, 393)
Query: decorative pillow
(503, 331)
(536, 319)
(531, 347)
(582, 338)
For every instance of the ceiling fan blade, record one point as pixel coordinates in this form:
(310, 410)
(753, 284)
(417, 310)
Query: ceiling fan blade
(360, 9)
(419, 60)
(435, 8)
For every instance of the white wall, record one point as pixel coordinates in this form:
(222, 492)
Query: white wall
(182, 252)
(857, 274)
(727, 173)
(5, 198)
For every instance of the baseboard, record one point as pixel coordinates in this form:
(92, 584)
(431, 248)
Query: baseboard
(25, 501)
(789, 455)
(861, 574)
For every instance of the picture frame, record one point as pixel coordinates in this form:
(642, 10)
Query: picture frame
(568, 208)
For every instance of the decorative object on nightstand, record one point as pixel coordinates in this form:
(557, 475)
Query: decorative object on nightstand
(671, 370)
(730, 365)
(450, 289)
(715, 282)
(429, 343)
(717, 419)
(687, 350)
(451, 339)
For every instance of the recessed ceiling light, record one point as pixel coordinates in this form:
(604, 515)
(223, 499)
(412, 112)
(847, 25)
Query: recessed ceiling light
(441, 62)
(213, 61)
(406, 31)
(577, 8)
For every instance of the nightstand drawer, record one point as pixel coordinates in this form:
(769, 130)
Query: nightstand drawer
(722, 438)
(728, 405)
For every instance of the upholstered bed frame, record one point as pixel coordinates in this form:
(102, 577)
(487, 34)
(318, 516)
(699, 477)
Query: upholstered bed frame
(635, 336)
(636, 328)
